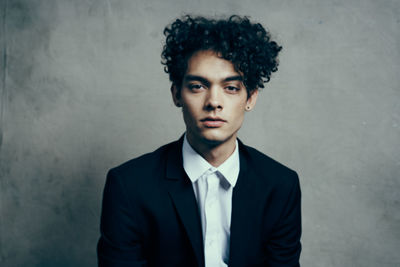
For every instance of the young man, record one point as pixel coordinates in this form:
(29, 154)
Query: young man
(206, 199)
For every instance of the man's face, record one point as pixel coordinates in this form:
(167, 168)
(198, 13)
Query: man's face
(213, 99)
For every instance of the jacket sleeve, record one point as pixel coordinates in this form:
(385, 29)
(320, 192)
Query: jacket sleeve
(120, 242)
(284, 246)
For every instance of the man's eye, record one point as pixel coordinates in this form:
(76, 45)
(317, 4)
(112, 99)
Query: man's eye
(195, 86)
(232, 88)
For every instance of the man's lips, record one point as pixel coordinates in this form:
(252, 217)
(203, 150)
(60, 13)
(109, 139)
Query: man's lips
(213, 122)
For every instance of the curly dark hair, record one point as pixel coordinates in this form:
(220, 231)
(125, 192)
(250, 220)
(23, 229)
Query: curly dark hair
(247, 45)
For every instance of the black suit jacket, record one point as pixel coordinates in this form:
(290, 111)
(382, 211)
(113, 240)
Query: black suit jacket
(150, 215)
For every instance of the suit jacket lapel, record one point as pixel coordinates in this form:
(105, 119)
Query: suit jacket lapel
(181, 192)
(243, 200)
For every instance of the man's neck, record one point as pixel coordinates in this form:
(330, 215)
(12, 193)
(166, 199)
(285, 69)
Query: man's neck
(214, 153)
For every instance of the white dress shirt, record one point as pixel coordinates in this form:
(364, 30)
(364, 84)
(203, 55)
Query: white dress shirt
(213, 190)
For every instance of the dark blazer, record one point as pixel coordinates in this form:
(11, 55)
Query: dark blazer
(150, 215)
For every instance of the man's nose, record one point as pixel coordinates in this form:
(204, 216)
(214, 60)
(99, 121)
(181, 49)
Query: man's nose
(214, 98)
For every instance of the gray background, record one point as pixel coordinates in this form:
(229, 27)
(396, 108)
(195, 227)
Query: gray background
(82, 90)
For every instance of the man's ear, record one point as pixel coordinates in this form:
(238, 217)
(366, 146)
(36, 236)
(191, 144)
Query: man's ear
(176, 95)
(251, 100)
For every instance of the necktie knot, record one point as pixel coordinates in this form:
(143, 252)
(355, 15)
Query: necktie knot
(214, 178)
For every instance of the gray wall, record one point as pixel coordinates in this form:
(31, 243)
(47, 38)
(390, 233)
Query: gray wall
(82, 89)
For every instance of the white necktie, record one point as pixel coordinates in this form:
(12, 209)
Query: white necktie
(213, 231)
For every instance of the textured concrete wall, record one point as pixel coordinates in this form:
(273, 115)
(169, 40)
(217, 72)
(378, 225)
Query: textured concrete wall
(82, 89)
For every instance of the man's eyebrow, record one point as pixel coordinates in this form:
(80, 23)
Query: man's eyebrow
(190, 77)
(234, 78)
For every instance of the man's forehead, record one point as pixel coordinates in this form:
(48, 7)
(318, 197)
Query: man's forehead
(208, 64)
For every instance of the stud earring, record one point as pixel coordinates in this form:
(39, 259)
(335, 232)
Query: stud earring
(248, 108)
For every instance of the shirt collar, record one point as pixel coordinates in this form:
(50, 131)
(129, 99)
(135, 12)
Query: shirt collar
(195, 165)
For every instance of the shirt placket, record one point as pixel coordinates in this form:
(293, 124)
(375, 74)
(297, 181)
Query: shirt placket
(212, 249)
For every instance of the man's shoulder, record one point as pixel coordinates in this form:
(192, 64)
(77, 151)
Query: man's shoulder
(267, 167)
(146, 162)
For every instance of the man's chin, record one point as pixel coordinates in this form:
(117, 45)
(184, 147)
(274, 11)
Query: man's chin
(210, 137)
(214, 139)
